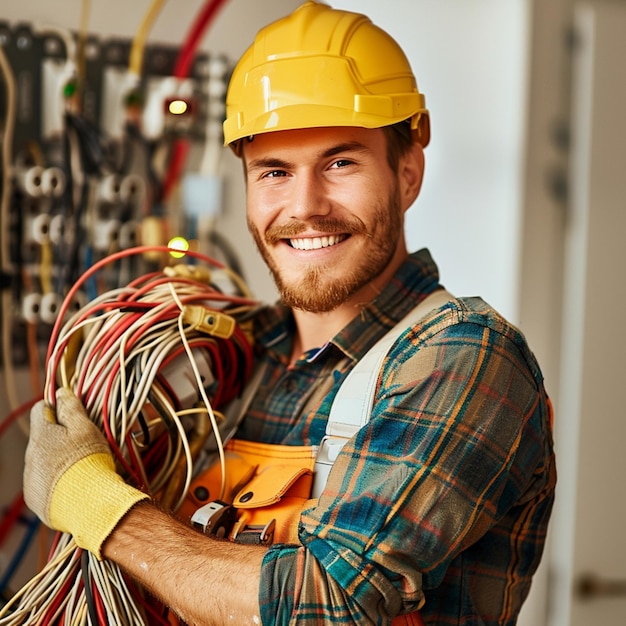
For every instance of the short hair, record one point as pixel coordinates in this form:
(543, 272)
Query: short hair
(399, 141)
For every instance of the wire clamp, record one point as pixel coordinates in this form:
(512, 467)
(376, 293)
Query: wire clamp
(208, 321)
(215, 518)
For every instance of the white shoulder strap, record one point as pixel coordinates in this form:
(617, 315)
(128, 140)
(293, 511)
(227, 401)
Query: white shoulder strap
(352, 406)
(353, 403)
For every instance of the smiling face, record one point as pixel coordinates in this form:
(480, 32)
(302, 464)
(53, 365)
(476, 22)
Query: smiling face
(326, 212)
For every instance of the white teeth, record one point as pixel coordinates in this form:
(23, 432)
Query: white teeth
(316, 243)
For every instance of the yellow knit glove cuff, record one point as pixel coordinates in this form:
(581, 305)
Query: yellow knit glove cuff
(104, 499)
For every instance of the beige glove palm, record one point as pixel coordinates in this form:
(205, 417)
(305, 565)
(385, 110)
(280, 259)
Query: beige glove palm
(70, 481)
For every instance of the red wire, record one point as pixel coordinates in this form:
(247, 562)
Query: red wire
(198, 28)
(14, 415)
(105, 343)
(153, 615)
(109, 384)
(141, 279)
(153, 456)
(100, 609)
(100, 347)
(95, 268)
(17, 506)
(54, 544)
(11, 516)
(214, 294)
(60, 595)
(181, 70)
(140, 289)
(135, 461)
(228, 357)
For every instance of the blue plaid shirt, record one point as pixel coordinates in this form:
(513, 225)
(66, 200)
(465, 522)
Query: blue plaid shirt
(443, 498)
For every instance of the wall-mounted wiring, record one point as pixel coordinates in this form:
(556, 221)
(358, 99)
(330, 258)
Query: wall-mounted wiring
(135, 63)
(16, 523)
(77, 185)
(93, 153)
(6, 266)
(201, 189)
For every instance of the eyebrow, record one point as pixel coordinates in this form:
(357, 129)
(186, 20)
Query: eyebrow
(268, 162)
(350, 146)
(274, 162)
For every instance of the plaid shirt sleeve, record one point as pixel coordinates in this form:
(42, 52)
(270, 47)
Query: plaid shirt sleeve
(441, 500)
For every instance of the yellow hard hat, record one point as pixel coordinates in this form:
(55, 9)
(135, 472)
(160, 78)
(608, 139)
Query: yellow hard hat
(322, 67)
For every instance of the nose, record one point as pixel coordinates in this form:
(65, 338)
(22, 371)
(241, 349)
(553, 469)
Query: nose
(308, 197)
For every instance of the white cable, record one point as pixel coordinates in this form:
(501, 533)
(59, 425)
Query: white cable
(107, 356)
(187, 451)
(205, 399)
(66, 37)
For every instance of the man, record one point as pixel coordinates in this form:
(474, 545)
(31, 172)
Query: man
(440, 502)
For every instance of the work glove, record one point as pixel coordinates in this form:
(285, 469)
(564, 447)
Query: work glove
(70, 481)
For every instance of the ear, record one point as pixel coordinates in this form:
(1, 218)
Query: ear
(411, 174)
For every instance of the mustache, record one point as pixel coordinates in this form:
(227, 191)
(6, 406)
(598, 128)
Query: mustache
(326, 225)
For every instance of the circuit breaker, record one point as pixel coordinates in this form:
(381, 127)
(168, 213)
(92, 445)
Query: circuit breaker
(96, 156)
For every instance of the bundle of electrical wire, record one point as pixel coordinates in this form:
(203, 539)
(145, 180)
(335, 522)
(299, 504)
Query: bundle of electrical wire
(153, 363)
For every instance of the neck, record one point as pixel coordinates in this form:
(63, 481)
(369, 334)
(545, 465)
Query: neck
(316, 329)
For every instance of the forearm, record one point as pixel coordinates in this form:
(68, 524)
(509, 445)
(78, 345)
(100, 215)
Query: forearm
(205, 581)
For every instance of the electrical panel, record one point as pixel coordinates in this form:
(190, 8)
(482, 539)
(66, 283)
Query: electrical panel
(96, 157)
(100, 153)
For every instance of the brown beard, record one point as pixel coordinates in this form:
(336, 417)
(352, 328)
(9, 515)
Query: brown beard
(315, 291)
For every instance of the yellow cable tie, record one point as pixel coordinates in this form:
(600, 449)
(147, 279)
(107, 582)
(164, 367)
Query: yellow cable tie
(207, 321)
